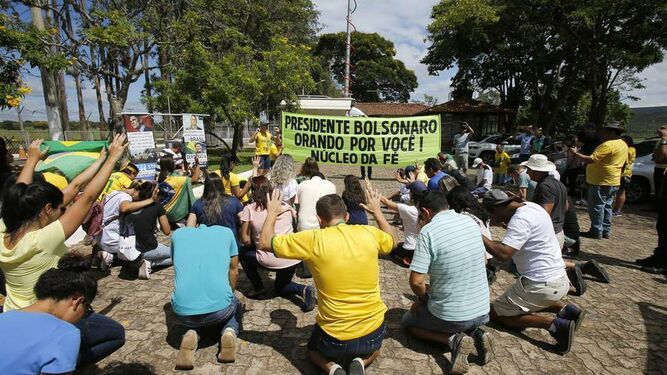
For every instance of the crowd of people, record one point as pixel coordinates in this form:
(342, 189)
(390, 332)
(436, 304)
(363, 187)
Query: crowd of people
(284, 221)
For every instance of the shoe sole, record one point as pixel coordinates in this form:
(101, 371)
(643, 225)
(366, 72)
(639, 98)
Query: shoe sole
(487, 348)
(600, 272)
(186, 353)
(144, 273)
(227, 347)
(579, 277)
(357, 368)
(311, 306)
(460, 364)
(570, 339)
(579, 320)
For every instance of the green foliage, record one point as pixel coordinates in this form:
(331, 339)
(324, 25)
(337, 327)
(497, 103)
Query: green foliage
(376, 74)
(547, 55)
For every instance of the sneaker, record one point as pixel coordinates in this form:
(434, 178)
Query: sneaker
(574, 313)
(462, 346)
(577, 280)
(106, 260)
(564, 335)
(594, 269)
(357, 367)
(186, 353)
(616, 214)
(145, 270)
(337, 370)
(606, 235)
(656, 270)
(227, 346)
(483, 345)
(591, 234)
(308, 299)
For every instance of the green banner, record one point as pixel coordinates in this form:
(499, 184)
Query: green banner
(371, 141)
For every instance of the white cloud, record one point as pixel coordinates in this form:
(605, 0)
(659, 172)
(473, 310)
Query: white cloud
(655, 93)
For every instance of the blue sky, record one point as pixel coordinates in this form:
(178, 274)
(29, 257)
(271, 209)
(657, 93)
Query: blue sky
(394, 19)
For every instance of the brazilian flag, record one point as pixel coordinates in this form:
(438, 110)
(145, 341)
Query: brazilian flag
(70, 158)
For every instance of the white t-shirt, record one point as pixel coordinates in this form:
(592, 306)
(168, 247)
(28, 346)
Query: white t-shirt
(110, 222)
(289, 190)
(531, 233)
(307, 194)
(178, 158)
(410, 217)
(485, 173)
(405, 193)
(461, 142)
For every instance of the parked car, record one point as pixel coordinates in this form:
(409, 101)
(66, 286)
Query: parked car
(486, 148)
(642, 186)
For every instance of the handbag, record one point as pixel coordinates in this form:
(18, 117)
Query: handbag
(127, 242)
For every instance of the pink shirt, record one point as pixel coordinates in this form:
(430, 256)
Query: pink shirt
(256, 218)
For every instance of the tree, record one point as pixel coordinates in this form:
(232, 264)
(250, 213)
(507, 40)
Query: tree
(376, 74)
(587, 47)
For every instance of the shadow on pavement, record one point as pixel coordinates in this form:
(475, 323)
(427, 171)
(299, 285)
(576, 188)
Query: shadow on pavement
(290, 341)
(393, 319)
(208, 336)
(655, 319)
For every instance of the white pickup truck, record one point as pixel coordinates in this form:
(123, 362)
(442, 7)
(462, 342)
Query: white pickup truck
(486, 148)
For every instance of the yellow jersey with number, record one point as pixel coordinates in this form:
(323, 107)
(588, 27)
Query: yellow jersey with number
(263, 143)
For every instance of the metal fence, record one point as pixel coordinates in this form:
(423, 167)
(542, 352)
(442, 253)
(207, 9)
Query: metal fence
(16, 138)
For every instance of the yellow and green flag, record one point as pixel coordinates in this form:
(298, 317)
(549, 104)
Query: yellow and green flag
(176, 197)
(68, 164)
(56, 147)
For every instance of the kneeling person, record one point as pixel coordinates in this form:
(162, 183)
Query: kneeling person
(451, 251)
(344, 262)
(531, 243)
(205, 270)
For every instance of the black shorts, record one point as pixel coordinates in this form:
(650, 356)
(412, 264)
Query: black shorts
(625, 181)
(346, 350)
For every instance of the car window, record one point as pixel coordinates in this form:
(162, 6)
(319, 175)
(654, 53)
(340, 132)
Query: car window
(645, 147)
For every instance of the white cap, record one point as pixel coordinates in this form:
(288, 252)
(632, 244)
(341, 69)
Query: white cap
(477, 162)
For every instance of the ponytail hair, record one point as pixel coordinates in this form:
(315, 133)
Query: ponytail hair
(72, 277)
(22, 204)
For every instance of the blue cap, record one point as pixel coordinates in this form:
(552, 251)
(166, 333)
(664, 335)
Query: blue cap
(410, 168)
(417, 187)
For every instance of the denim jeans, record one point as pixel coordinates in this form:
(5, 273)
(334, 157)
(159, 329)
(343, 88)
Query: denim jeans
(100, 336)
(229, 317)
(283, 285)
(345, 350)
(600, 200)
(479, 191)
(159, 257)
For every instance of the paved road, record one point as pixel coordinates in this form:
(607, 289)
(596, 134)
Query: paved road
(625, 331)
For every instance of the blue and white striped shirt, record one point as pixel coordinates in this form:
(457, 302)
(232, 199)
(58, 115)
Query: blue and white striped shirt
(451, 251)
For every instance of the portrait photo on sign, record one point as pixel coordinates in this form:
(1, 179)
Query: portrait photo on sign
(141, 156)
(138, 123)
(192, 122)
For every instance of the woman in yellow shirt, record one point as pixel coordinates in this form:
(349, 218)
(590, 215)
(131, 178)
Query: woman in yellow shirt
(626, 177)
(263, 140)
(231, 181)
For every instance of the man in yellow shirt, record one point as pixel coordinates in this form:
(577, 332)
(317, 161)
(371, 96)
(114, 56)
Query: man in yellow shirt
(603, 176)
(503, 162)
(263, 140)
(120, 180)
(343, 260)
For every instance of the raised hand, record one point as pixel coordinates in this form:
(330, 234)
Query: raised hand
(103, 154)
(118, 147)
(256, 161)
(274, 203)
(34, 153)
(373, 200)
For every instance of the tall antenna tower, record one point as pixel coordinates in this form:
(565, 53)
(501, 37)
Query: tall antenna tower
(348, 46)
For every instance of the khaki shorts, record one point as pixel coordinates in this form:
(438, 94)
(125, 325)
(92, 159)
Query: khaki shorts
(527, 296)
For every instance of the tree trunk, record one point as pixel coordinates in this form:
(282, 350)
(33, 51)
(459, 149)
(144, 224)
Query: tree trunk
(48, 85)
(62, 100)
(98, 90)
(83, 123)
(147, 78)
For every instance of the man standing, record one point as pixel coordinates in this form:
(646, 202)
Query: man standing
(344, 262)
(484, 177)
(531, 243)
(450, 250)
(526, 139)
(461, 140)
(432, 168)
(603, 175)
(657, 263)
(262, 140)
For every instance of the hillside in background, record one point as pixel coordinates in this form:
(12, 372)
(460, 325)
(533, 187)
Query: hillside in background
(646, 120)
